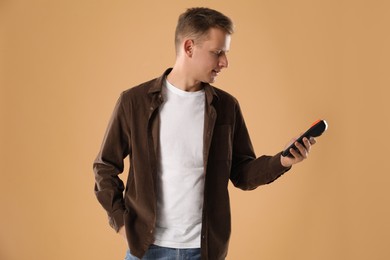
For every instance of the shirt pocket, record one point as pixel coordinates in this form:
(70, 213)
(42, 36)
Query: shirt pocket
(221, 143)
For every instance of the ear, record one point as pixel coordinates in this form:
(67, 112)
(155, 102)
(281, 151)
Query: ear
(188, 47)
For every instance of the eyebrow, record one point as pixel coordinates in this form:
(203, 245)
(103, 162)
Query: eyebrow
(220, 50)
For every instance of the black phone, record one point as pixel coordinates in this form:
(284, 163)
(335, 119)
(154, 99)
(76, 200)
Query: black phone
(316, 129)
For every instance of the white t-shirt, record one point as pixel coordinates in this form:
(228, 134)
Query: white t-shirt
(181, 173)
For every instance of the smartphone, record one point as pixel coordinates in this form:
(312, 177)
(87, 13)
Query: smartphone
(316, 129)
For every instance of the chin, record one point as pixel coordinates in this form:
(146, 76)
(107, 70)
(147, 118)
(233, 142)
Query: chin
(211, 79)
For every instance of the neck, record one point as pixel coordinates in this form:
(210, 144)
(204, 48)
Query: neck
(180, 79)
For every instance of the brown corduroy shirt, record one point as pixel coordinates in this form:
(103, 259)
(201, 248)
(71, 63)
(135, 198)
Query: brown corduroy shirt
(133, 131)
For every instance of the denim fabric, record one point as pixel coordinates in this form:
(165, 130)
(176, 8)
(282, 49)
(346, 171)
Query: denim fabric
(165, 253)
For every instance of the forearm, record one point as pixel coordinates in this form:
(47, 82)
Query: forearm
(109, 192)
(251, 173)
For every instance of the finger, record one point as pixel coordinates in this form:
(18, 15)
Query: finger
(312, 140)
(302, 150)
(307, 144)
(296, 153)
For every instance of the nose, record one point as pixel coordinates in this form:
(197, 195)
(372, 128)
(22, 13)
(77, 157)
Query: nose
(223, 61)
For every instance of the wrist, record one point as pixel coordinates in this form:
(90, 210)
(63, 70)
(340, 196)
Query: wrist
(284, 161)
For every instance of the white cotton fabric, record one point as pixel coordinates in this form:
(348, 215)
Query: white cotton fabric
(181, 171)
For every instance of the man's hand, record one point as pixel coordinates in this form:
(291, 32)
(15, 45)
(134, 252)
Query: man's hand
(122, 232)
(300, 155)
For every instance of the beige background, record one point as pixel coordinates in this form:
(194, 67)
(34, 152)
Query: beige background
(64, 64)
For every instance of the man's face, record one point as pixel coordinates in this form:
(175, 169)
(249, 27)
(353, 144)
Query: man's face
(209, 55)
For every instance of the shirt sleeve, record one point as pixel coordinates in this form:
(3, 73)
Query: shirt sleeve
(109, 164)
(249, 172)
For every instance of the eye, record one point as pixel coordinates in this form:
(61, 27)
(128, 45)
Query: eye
(218, 52)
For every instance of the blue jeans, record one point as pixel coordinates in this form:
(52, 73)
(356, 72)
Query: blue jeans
(164, 253)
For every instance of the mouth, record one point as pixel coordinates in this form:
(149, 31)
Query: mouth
(216, 72)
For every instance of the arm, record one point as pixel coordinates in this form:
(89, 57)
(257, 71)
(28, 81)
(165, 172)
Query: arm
(248, 172)
(109, 164)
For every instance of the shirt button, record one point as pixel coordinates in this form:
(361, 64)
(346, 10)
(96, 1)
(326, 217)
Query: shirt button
(151, 108)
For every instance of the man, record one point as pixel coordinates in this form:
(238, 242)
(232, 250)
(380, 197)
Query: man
(185, 140)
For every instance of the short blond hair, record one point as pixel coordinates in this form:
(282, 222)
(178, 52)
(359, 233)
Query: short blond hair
(196, 22)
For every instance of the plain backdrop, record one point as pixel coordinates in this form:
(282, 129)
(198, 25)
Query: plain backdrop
(65, 62)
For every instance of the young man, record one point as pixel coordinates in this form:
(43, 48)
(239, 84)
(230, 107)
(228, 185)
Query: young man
(185, 140)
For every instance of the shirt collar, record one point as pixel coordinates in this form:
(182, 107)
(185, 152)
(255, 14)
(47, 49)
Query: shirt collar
(209, 90)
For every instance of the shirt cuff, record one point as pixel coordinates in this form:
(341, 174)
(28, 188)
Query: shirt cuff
(116, 219)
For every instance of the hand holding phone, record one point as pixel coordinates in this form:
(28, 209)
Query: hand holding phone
(315, 130)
